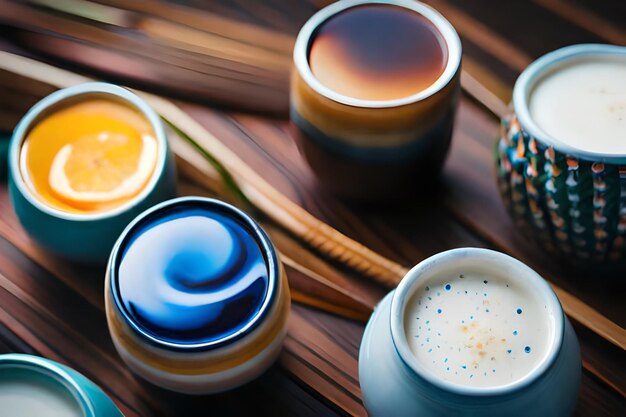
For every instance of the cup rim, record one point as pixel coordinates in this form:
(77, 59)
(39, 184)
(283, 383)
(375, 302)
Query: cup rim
(262, 239)
(535, 71)
(86, 89)
(306, 34)
(54, 371)
(524, 275)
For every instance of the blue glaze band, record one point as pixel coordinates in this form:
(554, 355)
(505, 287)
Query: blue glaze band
(376, 154)
(193, 273)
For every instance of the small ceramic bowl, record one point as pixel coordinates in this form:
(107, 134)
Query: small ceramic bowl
(239, 352)
(85, 237)
(395, 383)
(368, 149)
(57, 383)
(571, 201)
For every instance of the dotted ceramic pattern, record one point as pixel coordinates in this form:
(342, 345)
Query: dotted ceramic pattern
(572, 206)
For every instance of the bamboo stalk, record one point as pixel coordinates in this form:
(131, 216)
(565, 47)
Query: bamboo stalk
(345, 305)
(89, 10)
(290, 216)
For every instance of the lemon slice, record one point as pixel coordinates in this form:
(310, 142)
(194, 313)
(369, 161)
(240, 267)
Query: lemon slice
(103, 167)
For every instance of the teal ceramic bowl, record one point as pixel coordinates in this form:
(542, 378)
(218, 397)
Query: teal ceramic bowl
(30, 384)
(89, 237)
(570, 201)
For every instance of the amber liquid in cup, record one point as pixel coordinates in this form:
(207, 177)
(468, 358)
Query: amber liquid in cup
(373, 97)
(378, 52)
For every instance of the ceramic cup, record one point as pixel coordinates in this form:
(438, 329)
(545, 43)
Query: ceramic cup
(189, 334)
(395, 383)
(35, 385)
(85, 237)
(571, 201)
(367, 149)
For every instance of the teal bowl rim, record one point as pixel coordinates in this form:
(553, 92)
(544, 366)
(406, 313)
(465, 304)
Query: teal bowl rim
(527, 276)
(86, 89)
(308, 31)
(534, 72)
(262, 239)
(53, 370)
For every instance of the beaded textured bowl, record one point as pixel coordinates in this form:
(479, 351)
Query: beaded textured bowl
(572, 201)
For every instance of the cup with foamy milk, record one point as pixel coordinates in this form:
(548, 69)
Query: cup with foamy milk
(34, 386)
(470, 331)
(562, 153)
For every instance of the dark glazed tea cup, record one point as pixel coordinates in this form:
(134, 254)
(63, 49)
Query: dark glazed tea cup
(376, 145)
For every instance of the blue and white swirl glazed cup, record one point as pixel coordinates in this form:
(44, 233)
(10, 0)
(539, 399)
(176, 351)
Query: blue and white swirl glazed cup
(34, 385)
(197, 300)
(86, 237)
(395, 382)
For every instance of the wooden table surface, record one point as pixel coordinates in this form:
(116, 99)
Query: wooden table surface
(51, 308)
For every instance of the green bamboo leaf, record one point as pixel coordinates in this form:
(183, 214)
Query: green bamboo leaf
(227, 178)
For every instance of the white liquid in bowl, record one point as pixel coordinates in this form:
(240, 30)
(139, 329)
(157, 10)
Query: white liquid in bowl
(28, 393)
(477, 330)
(583, 104)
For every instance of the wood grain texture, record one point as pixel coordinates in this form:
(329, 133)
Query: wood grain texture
(592, 368)
(58, 310)
(586, 19)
